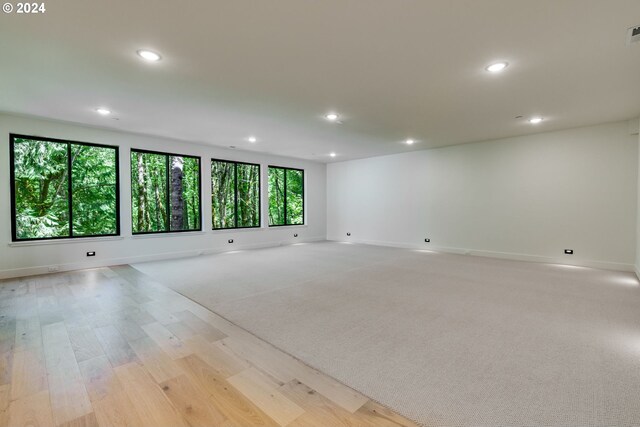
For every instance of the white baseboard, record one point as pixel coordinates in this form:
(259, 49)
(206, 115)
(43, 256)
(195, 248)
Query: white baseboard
(606, 265)
(45, 269)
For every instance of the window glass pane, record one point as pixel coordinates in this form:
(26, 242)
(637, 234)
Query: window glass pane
(94, 190)
(276, 196)
(295, 197)
(149, 196)
(248, 195)
(223, 186)
(41, 189)
(191, 193)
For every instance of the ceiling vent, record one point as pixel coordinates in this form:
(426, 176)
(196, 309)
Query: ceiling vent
(633, 35)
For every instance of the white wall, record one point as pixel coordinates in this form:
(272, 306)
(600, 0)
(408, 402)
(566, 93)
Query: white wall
(23, 259)
(527, 197)
(636, 130)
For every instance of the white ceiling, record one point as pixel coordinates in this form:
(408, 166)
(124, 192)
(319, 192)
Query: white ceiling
(393, 69)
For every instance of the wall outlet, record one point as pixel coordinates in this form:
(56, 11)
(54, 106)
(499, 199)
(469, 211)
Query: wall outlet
(568, 251)
(92, 253)
(230, 241)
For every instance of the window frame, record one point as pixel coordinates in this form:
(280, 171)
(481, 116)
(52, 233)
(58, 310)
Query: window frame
(235, 193)
(167, 177)
(68, 142)
(304, 190)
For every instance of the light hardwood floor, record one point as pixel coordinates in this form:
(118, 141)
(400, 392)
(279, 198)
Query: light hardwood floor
(110, 347)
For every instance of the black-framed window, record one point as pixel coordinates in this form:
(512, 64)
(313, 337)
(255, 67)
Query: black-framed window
(286, 196)
(235, 194)
(63, 189)
(165, 192)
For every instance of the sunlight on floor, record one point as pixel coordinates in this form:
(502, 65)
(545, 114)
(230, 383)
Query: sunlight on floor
(569, 266)
(624, 280)
(232, 252)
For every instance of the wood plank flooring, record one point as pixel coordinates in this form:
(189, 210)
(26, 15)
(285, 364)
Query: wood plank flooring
(110, 347)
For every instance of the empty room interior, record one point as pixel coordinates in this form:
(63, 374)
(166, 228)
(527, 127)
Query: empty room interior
(320, 213)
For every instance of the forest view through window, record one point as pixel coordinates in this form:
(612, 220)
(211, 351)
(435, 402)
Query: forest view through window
(63, 189)
(235, 194)
(286, 196)
(165, 192)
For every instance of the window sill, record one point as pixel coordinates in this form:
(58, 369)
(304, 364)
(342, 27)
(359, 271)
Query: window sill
(64, 241)
(168, 234)
(250, 229)
(237, 230)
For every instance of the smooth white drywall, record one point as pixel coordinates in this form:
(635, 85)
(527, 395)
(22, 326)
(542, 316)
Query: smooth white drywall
(23, 259)
(527, 197)
(636, 130)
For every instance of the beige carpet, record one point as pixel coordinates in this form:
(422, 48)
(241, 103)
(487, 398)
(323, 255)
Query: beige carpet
(447, 340)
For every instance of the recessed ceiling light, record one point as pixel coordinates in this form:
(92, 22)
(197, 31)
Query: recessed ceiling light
(496, 67)
(332, 154)
(410, 141)
(252, 139)
(149, 55)
(535, 120)
(332, 117)
(103, 111)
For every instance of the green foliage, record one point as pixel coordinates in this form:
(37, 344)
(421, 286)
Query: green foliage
(152, 193)
(149, 192)
(235, 186)
(94, 190)
(223, 185)
(295, 197)
(42, 200)
(276, 196)
(248, 178)
(286, 196)
(191, 193)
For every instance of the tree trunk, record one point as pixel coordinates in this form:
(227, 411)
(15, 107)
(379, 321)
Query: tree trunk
(196, 217)
(280, 200)
(142, 195)
(222, 200)
(160, 214)
(151, 190)
(253, 196)
(177, 202)
(187, 223)
(44, 193)
(241, 196)
(66, 174)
